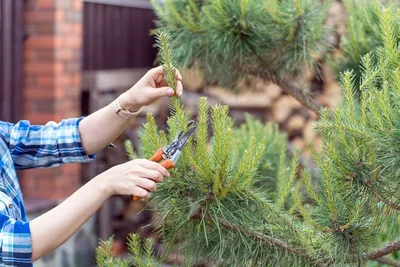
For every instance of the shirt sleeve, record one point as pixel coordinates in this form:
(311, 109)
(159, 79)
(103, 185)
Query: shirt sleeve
(35, 146)
(16, 242)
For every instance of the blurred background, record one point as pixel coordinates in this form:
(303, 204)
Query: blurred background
(68, 58)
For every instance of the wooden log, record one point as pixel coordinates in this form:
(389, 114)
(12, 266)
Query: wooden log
(272, 91)
(312, 115)
(244, 100)
(193, 79)
(308, 132)
(295, 123)
(281, 109)
(317, 143)
(299, 142)
(294, 102)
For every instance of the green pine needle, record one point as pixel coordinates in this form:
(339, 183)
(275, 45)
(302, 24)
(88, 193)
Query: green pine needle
(167, 58)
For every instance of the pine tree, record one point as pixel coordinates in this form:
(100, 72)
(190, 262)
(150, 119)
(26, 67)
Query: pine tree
(234, 198)
(230, 40)
(363, 35)
(141, 253)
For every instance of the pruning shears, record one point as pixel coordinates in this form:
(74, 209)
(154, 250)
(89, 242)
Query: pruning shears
(171, 152)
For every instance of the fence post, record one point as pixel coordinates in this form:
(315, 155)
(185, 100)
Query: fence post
(11, 39)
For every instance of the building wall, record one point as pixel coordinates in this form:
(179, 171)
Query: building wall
(52, 91)
(52, 83)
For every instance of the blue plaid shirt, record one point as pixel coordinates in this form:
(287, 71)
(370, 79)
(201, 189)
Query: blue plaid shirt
(25, 146)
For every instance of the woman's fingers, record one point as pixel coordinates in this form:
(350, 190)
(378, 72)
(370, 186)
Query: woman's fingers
(151, 165)
(146, 184)
(179, 88)
(140, 192)
(149, 174)
(158, 76)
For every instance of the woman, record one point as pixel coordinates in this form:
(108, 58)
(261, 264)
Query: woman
(24, 146)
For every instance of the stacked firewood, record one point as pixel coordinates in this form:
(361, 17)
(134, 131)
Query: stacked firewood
(268, 102)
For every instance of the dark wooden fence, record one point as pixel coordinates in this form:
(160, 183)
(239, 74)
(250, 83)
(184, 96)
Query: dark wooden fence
(117, 51)
(116, 35)
(11, 39)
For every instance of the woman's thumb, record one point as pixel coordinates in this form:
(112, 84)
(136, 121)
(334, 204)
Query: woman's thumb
(164, 91)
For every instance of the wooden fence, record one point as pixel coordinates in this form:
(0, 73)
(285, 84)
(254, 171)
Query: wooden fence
(117, 51)
(11, 40)
(116, 35)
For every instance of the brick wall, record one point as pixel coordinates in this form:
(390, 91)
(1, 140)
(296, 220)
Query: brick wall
(52, 83)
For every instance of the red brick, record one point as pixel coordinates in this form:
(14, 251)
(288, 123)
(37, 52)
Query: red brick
(76, 28)
(29, 81)
(43, 118)
(71, 169)
(46, 183)
(45, 29)
(46, 4)
(43, 41)
(30, 5)
(39, 93)
(39, 16)
(42, 68)
(65, 54)
(73, 42)
(44, 105)
(72, 92)
(65, 80)
(60, 15)
(63, 4)
(39, 105)
(73, 16)
(60, 194)
(62, 182)
(30, 29)
(77, 5)
(78, 80)
(48, 172)
(46, 81)
(62, 28)
(27, 183)
(29, 55)
(72, 67)
(59, 92)
(45, 55)
(68, 106)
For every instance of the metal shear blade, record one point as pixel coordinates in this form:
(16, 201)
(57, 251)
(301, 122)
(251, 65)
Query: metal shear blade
(180, 141)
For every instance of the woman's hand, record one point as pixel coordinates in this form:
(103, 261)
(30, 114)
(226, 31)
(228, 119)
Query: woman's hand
(148, 89)
(53, 228)
(136, 177)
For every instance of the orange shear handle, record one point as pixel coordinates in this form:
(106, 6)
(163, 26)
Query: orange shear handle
(157, 157)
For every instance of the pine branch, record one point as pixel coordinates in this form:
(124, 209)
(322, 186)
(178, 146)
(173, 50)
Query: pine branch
(382, 198)
(302, 96)
(267, 239)
(167, 58)
(272, 241)
(388, 261)
(386, 250)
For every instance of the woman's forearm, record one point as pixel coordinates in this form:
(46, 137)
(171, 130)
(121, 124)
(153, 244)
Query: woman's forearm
(102, 127)
(53, 228)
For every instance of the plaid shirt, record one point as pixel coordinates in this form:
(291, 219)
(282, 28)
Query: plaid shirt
(25, 146)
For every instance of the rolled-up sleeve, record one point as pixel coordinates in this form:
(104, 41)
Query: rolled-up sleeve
(36, 146)
(16, 242)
